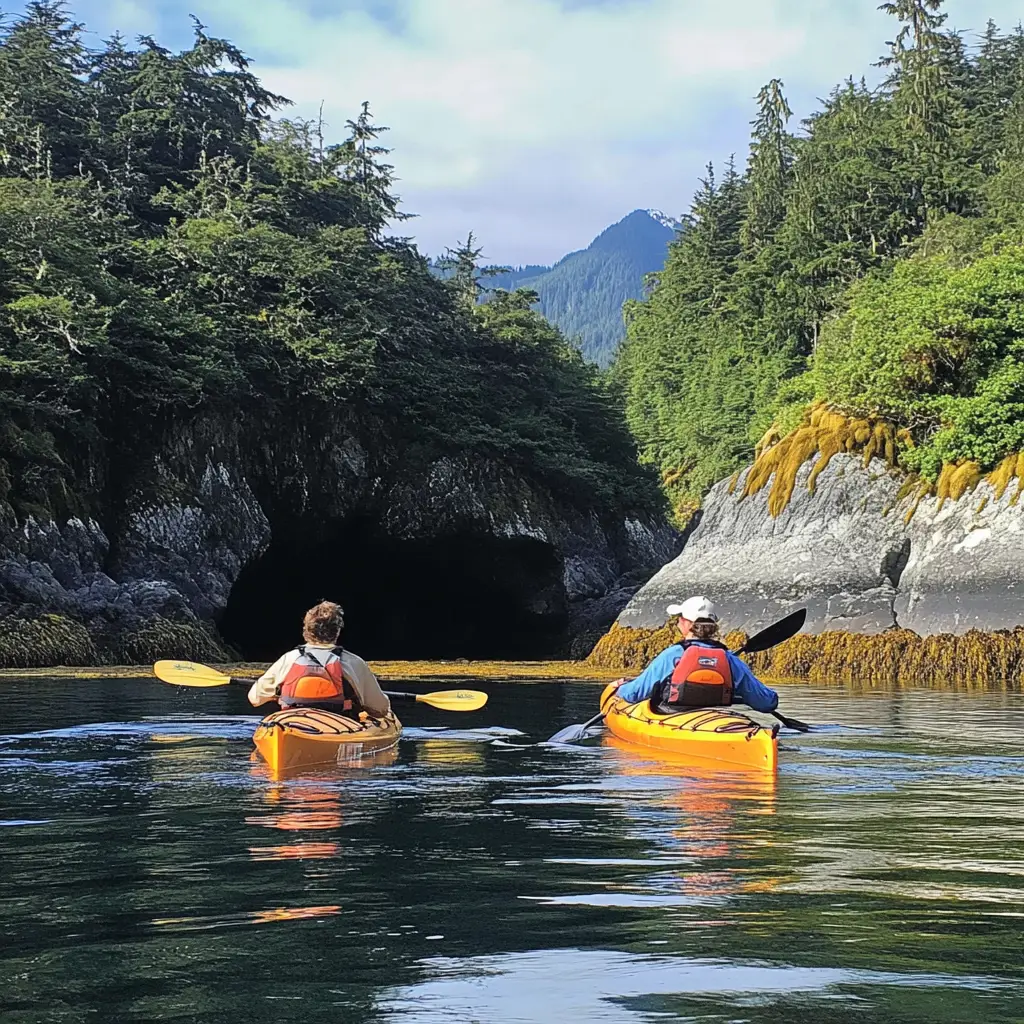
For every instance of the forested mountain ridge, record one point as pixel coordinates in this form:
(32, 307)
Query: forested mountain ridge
(870, 262)
(583, 293)
(208, 343)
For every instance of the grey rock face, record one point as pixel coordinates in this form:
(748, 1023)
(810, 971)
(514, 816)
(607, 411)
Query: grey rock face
(176, 561)
(197, 549)
(452, 496)
(43, 565)
(836, 552)
(966, 565)
(847, 554)
(193, 523)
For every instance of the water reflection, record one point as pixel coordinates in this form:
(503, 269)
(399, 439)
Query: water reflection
(153, 871)
(299, 809)
(616, 988)
(696, 821)
(218, 921)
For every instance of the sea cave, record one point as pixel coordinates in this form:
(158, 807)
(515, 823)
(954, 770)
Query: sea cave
(468, 595)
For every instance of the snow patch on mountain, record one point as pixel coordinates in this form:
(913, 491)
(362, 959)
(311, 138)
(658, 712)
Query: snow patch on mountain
(664, 219)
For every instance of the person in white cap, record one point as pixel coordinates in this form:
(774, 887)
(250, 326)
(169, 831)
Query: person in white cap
(699, 671)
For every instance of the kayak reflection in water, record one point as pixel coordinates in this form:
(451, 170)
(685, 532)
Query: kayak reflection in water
(699, 671)
(320, 673)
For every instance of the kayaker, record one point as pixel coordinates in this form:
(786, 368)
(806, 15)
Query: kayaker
(319, 673)
(700, 671)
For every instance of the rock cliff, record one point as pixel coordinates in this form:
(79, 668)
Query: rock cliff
(238, 523)
(852, 553)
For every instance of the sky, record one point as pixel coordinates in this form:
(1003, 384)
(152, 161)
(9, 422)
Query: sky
(537, 123)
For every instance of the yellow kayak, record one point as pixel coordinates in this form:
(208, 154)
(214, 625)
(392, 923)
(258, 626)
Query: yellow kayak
(705, 734)
(295, 738)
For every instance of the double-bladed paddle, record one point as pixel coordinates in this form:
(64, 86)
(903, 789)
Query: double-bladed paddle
(770, 636)
(189, 673)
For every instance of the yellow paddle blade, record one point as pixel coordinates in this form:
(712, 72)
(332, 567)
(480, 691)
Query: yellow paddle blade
(189, 673)
(454, 700)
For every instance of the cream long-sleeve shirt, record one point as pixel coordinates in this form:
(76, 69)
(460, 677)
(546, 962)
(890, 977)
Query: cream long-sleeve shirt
(356, 671)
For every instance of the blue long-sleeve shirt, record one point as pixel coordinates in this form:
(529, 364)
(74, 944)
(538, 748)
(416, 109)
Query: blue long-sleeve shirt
(746, 687)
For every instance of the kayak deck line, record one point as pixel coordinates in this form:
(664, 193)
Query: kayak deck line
(711, 734)
(296, 738)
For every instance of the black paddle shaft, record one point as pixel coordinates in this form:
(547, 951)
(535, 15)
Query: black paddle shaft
(776, 633)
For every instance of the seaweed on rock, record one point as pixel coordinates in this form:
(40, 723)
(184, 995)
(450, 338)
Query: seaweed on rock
(624, 647)
(159, 638)
(972, 660)
(54, 640)
(45, 641)
(824, 432)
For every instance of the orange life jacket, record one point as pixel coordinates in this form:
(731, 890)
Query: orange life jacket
(308, 682)
(702, 677)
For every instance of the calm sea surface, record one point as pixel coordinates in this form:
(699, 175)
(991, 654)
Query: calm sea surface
(150, 872)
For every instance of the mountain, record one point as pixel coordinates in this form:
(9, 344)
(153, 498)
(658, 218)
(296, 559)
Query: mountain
(583, 292)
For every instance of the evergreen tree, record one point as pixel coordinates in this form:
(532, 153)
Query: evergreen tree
(681, 368)
(768, 169)
(372, 178)
(463, 273)
(929, 167)
(928, 70)
(170, 253)
(43, 110)
(919, 74)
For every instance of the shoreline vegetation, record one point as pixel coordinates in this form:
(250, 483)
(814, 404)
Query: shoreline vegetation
(389, 671)
(201, 303)
(856, 284)
(970, 661)
(178, 248)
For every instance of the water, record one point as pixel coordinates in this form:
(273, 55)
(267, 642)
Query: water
(149, 871)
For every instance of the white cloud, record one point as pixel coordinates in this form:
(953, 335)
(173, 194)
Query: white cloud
(524, 121)
(535, 123)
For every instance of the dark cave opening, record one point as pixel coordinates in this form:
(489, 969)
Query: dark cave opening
(462, 596)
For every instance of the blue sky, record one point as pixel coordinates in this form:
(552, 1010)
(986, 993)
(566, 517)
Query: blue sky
(536, 123)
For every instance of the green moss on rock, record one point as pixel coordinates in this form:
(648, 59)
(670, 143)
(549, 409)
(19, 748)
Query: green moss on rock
(45, 641)
(162, 638)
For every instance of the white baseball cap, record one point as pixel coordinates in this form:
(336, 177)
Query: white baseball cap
(695, 609)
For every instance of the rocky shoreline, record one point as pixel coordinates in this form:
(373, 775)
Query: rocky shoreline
(966, 661)
(859, 552)
(866, 558)
(155, 578)
(898, 587)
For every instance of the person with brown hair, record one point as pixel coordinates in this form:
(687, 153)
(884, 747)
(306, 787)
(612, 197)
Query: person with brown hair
(320, 673)
(700, 671)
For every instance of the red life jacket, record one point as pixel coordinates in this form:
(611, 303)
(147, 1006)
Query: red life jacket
(308, 682)
(702, 677)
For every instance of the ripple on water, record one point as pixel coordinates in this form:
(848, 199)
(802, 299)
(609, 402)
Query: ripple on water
(621, 988)
(149, 865)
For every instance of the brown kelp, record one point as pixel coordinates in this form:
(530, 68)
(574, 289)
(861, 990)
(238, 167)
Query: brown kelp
(52, 640)
(971, 660)
(824, 432)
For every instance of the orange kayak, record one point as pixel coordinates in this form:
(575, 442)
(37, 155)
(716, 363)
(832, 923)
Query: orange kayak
(707, 735)
(296, 738)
